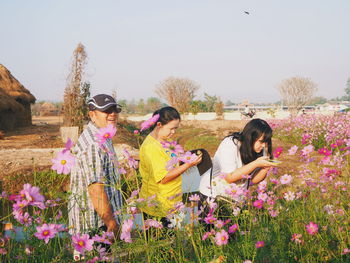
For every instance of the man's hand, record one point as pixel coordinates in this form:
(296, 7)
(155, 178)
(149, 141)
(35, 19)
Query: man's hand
(101, 205)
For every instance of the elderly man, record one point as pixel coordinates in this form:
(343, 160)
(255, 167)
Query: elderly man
(94, 180)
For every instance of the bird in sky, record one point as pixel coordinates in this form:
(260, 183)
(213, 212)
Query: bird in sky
(246, 12)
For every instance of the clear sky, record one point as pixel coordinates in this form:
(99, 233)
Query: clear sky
(133, 45)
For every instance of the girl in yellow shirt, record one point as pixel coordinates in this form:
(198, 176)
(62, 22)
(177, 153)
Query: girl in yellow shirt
(156, 179)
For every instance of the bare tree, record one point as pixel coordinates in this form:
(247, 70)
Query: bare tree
(179, 92)
(296, 92)
(74, 102)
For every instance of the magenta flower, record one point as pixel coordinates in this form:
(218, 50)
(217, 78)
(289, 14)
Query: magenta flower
(188, 157)
(20, 204)
(173, 147)
(172, 163)
(286, 179)
(105, 238)
(277, 152)
(210, 219)
(206, 235)
(221, 238)
(46, 232)
(258, 203)
(305, 138)
(234, 191)
(136, 132)
(312, 228)
(126, 229)
(324, 151)
(149, 123)
(105, 133)
(293, 150)
(82, 243)
(64, 162)
(259, 244)
(233, 228)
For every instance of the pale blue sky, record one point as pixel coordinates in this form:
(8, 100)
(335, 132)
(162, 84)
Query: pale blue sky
(133, 45)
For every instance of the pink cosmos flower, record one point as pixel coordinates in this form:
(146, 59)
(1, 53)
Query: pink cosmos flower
(32, 194)
(258, 203)
(221, 238)
(307, 150)
(219, 224)
(296, 238)
(234, 191)
(131, 161)
(277, 152)
(63, 163)
(194, 198)
(273, 213)
(286, 179)
(233, 228)
(210, 219)
(126, 229)
(312, 228)
(206, 235)
(149, 123)
(105, 133)
(259, 244)
(69, 145)
(324, 151)
(46, 232)
(173, 147)
(20, 204)
(172, 163)
(305, 138)
(104, 238)
(289, 196)
(345, 251)
(293, 150)
(82, 243)
(152, 223)
(136, 132)
(188, 157)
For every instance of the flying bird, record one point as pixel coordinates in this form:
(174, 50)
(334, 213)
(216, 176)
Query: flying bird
(246, 12)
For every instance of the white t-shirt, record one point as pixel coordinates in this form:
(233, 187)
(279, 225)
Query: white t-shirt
(226, 159)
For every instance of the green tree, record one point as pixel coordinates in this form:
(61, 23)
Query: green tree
(210, 102)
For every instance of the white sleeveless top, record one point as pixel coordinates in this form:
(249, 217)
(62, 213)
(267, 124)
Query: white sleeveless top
(226, 159)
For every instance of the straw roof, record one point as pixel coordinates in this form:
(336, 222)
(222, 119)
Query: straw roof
(12, 92)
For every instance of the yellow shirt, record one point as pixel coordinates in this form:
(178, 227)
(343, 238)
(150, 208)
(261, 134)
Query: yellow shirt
(153, 161)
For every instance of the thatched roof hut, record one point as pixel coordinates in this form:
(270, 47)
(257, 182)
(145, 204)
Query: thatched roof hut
(15, 102)
(49, 109)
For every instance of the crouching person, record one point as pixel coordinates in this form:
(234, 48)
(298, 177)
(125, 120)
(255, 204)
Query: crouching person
(94, 179)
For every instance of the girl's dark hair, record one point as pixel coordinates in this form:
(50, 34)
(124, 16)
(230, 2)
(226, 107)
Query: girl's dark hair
(252, 132)
(166, 114)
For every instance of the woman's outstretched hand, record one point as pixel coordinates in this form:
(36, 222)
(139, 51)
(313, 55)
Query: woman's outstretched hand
(263, 162)
(196, 161)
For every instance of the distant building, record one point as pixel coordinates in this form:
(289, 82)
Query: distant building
(49, 109)
(15, 102)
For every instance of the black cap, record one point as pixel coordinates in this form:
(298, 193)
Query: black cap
(102, 102)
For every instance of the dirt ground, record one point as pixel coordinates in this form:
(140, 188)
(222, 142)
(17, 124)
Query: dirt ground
(29, 148)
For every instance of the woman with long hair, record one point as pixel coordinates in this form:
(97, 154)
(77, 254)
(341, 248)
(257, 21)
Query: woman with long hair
(157, 181)
(242, 158)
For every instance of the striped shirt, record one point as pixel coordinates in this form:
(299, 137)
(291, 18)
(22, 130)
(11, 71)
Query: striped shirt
(94, 163)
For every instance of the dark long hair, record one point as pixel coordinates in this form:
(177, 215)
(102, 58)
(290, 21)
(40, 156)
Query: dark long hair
(252, 132)
(166, 114)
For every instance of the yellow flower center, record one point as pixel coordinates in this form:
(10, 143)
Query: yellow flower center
(106, 135)
(45, 233)
(63, 162)
(223, 238)
(81, 243)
